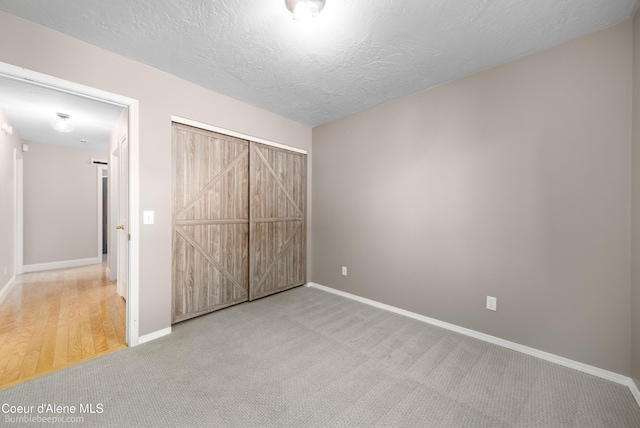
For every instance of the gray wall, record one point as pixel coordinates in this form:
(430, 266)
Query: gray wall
(513, 182)
(635, 225)
(60, 204)
(7, 206)
(160, 95)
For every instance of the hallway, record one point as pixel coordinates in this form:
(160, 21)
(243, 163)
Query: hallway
(55, 319)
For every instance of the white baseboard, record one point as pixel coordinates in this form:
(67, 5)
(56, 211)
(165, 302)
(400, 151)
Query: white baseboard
(595, 371)
(4, 292)
(634, 390)
(61, 265)
(153, 336)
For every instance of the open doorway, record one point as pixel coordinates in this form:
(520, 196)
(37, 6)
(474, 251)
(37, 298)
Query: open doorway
(103, 208)
(107, 199)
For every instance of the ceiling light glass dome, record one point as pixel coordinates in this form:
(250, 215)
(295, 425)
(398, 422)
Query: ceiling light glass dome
(61, 123)
(303, 10)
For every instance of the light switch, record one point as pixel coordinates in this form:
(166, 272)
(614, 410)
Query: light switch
(147, 217)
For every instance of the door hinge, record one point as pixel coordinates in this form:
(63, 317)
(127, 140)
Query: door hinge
(129, 237)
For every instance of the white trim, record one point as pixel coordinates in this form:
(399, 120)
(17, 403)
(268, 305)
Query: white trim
(46, 81)
(133, 284)
(634, 390)
(38, 267)
(604, 374)
(153, 336)
(4, 292)
(208, 127)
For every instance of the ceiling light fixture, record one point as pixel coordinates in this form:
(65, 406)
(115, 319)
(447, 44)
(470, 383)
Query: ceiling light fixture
(304, 10)
(61, 123)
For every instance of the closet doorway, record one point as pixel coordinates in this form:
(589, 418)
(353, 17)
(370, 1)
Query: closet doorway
(239, 220)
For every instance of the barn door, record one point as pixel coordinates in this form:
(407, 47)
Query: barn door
(277, 220)
(210, 221)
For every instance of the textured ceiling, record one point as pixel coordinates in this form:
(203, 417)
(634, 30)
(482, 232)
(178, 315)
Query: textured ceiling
(356, 54)
(30, 109)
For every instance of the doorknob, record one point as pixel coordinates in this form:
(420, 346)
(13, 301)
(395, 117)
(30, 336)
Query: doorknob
(120, 227)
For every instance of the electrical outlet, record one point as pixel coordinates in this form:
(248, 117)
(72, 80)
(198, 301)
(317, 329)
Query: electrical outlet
(492, 303)
(344, 271)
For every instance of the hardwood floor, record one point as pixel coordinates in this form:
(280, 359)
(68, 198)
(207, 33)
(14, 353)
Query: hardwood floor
(51, 320)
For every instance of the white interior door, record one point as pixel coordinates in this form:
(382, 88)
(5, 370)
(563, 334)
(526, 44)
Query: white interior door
(123, 217)
(114, 213)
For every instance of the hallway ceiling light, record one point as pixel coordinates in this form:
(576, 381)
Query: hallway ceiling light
(61, 123)
(303, 10)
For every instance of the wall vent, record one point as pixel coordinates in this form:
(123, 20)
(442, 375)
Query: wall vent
(95, 161)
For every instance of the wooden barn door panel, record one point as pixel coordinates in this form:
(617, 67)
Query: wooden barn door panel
(210, 221)
(277, 220)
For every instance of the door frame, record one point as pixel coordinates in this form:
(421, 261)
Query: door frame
(133, 108)
(100, 169)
